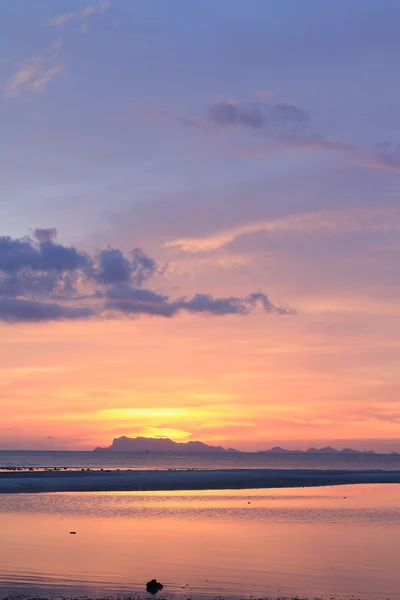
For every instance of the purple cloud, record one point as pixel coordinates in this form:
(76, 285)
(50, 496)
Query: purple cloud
(41, 280)
(247, 114)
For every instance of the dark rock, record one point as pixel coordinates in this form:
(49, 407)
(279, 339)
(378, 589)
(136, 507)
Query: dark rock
(153, 587)
(72, 533)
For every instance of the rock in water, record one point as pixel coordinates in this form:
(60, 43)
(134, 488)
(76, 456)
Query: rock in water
(153, 586)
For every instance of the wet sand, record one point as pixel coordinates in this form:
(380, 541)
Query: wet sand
(169, 480)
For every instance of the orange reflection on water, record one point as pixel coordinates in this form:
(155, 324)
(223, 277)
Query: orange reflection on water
(315, 541)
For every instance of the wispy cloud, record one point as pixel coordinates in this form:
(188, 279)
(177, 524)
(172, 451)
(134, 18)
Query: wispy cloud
(386, 218)
(34, 74)
(80, 16)
(272, 117)
(387, 155)
(283, 125)
(157, 113)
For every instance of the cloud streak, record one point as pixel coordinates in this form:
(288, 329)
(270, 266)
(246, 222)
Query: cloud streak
(34, 74)
(284, 125)
(385, 218)
(81, 16)
(41, 280)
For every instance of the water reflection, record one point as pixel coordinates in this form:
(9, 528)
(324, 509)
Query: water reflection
(342, 540)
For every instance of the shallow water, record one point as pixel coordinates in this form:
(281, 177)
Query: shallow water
(339, 541)
(175, 460)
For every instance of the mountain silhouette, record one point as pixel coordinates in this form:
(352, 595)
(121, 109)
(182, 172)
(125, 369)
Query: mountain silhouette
(142, 444)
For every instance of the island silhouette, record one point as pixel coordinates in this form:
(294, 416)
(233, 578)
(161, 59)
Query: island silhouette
(146, 444)
(142, 444)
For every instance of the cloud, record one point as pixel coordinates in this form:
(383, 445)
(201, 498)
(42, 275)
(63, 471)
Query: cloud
(13, 310)
(285, 127)
(255, 115)
(266, 114)
(45, 235)
(82, 16)
(133, 301)
(381, 218)
(114, 267)
(234, 113)
(41, 280)
(45, 255)
(33, 74)
(290, 127)
(165, 115)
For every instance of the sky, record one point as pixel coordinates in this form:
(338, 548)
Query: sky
(199, 223)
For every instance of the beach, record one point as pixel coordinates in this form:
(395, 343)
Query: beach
(228, 526)
(178, 479)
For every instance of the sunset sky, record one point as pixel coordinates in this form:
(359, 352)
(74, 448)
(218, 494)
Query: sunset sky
(200, 222)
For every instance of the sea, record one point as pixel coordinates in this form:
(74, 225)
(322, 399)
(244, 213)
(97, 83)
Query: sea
(340, 542)
(207, 460)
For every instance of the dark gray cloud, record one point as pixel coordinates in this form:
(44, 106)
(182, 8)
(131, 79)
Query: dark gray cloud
(114, 267)
(41, 255)
(255, 115)
(226, 112)
(41, 280)
(30, 284)
(46, 235)
(287, 114)
(133, 301)
(143, 267)
(17, 310)
(127, 292)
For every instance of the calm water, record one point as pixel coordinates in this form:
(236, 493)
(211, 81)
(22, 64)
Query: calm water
(340, 541)
(158, 460)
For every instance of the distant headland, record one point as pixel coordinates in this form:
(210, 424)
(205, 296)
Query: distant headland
(145, 444)
(325, 450)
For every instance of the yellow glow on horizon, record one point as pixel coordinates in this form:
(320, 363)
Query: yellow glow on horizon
(232, 382)
(176, 435)
(123, 414)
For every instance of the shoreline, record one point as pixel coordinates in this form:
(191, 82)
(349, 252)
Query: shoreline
(144, 596)
(175, 480)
